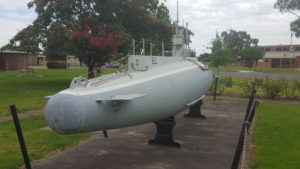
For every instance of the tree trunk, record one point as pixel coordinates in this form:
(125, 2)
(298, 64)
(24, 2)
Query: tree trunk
(91, 73)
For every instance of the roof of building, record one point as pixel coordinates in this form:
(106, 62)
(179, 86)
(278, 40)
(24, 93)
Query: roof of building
(282, 55)
(264, 46)
(12, 51)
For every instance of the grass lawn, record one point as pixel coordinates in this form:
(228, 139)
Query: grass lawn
(266, 70)
(40, 143)
(277, 137)
(28, 92)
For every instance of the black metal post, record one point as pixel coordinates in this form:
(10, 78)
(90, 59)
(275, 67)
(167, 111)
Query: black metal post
(239, 149)
(105, 133)
(20, 136)
(250, 113)
(216, 88)
(250, 103)
(256, 104)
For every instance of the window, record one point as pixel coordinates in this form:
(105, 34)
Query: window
(286, 63)
(285, 49)
(279, 48)
(267, 49)
(260, 60)
(297, 48)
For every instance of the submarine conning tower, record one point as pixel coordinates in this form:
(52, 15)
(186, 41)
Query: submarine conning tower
(181, 40)
(180, 51)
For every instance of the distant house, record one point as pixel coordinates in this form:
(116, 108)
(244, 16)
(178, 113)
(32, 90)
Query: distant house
(41, 59)
(72, 62)
(279, 56)
(16, 60)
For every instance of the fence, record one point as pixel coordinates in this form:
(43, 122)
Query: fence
(241, 148)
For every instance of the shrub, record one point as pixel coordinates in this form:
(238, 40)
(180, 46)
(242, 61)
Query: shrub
(247, 85)
(272, 88)
(56, 64)
(223, 83)
(296, 85)
(291, 89)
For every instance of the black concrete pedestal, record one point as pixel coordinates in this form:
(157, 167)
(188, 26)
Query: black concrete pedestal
(195, 111)
(164, 136)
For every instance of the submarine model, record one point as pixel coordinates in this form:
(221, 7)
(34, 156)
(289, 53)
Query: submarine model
(153, 88)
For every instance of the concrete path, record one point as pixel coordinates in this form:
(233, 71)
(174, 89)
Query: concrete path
(206, 144)
(21, 115)
(258, 75)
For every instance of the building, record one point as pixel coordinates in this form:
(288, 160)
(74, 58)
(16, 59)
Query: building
(41, 59)
(72, 62)
(279, 56)
(16, 60)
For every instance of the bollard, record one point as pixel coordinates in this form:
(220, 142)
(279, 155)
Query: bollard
(20, 136)
(216, 88)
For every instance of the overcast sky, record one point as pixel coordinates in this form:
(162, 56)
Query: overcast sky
(205, 17)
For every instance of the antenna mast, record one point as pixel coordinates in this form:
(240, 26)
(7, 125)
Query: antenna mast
(187, 34)
(177, 13)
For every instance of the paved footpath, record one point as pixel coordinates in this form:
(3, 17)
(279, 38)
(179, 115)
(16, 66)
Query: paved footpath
(206, 144)
(21, 115)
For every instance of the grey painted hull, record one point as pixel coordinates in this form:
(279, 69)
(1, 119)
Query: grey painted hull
(163, 95)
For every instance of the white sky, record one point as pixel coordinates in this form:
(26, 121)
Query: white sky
(205, 17)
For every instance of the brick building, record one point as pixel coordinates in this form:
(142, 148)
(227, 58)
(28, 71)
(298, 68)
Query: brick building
(16, 60)
(279, 56)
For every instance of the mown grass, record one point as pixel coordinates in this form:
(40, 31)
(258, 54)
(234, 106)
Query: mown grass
(266, 70)
(40, 143)
(28, 92)
(277, 137)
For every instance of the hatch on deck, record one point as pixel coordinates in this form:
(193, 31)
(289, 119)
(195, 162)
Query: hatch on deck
(144, 63)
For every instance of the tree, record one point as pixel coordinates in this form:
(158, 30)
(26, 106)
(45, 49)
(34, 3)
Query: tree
(162, 13)
(136, 18)
(220, 58)
(235, 41)
(56, 47)
(139, 18)
(228, 46)
(95, 45)
(193, 53)
(251, 55)
(28, 40)
(205, 57)
(290, 6)
(220, 55)
(217, 44)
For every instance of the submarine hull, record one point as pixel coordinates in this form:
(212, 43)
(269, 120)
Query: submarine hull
(128, 99)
